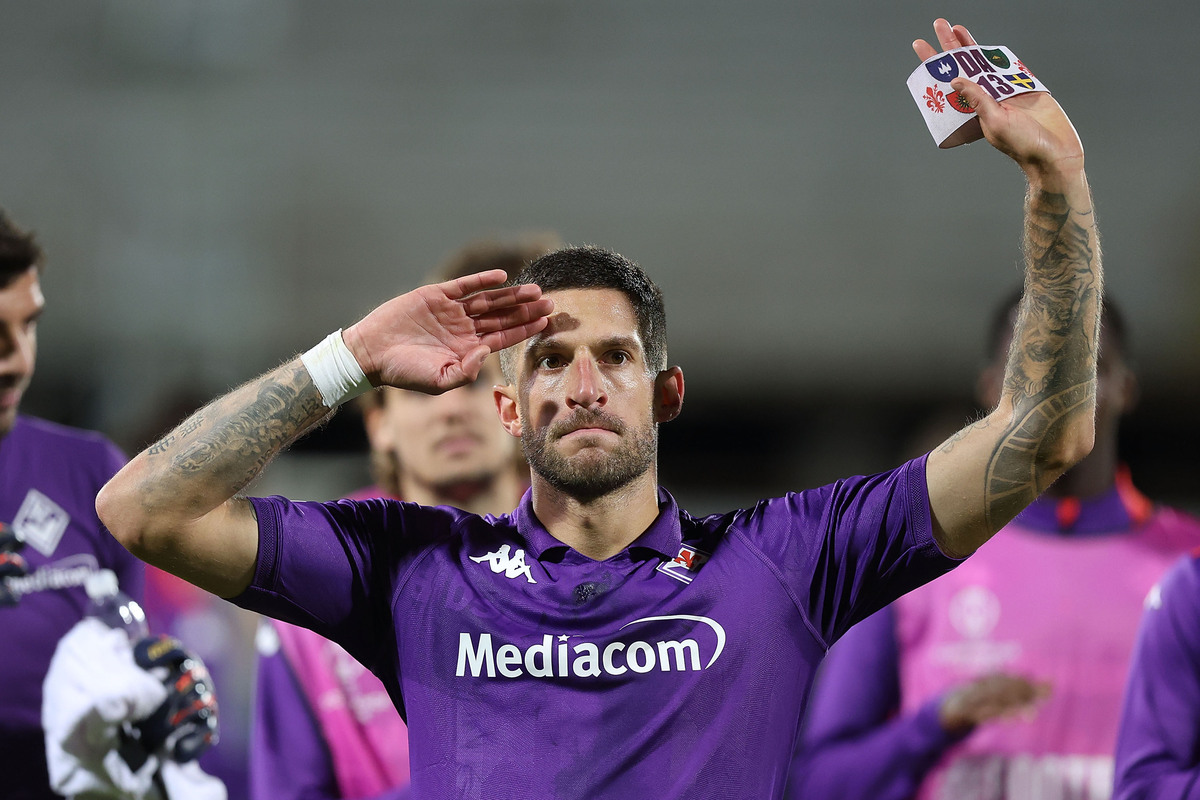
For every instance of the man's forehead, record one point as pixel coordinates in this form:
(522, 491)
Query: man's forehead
(590, 313)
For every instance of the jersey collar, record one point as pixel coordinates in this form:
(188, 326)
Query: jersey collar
(663, 537)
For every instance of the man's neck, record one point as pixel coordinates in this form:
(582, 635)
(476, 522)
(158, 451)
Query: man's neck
(495, 494)
(603, 527)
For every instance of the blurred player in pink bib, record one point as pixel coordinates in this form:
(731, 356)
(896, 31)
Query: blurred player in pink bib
(1003, 679)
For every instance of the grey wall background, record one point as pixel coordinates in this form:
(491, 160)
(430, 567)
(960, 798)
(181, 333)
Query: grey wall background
(221, 183)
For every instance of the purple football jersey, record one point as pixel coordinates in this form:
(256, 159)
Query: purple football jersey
(1158, 745)
(49, 477)
(677, 668)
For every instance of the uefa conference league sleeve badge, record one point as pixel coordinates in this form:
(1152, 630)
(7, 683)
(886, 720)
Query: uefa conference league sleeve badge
(950, 120)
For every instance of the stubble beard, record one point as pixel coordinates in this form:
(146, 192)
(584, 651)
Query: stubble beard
(587, 476)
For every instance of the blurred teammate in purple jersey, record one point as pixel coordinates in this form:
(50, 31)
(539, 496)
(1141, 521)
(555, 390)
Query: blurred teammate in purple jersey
(1004, 678)
(1158, 744)
(324, 726)
(599, 641)
(49, 476)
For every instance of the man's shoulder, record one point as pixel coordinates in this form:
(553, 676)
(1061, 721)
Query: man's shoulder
(420, 523)
(1172, 530)
(56, 434)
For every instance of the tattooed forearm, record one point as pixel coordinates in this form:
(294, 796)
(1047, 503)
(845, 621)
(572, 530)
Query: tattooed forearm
(162, 445)
(1062, 294)
(227, 443)
(1014, 479)
(1050, 376)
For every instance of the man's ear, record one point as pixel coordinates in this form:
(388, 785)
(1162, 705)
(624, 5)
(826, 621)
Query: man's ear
(507, 408)
(668, 394)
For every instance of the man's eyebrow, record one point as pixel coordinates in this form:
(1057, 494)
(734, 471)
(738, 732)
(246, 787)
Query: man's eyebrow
(544, 341)
(622, 342)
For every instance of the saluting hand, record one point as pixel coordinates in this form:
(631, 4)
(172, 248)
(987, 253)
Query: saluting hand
(436, 338)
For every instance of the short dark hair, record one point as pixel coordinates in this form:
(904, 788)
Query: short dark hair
(589, 267)
(19, 250)
(1004, 317)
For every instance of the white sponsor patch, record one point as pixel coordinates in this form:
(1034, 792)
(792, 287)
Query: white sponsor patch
(481, 657)
(41, 522)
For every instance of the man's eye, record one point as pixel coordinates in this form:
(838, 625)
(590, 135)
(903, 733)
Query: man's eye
(549, 362)
(618, 357)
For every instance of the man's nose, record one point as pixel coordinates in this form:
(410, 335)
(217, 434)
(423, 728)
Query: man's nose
(586, 387)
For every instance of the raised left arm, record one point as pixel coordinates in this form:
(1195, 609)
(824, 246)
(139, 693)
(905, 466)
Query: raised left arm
(1044, 424)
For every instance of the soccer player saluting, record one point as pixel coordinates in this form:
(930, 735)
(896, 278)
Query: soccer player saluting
(324, 727)
(599, 641)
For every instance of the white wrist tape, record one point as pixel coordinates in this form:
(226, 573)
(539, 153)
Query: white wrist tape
(334, 370)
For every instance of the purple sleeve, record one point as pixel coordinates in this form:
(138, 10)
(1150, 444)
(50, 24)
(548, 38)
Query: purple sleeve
(848, 549)
(1158, 743)
(335, 574)
(288, 756)
(852, 746)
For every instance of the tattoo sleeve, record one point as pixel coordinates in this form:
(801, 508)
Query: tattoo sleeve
(1051, 370)
(223, 446)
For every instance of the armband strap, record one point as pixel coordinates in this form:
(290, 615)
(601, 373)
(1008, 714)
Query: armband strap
(334, 370)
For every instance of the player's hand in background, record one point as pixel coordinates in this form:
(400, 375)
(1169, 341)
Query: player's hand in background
(12, 565)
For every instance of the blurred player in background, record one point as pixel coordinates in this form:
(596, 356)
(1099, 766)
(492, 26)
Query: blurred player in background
(1158, 745)
(52, 546)
(325, 727)
(1003, 679)
(49, 476)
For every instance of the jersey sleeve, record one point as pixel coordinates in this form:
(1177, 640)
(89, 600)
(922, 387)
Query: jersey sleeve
(1158, 742)
(331, 568)
(852, 745)
(848, 549)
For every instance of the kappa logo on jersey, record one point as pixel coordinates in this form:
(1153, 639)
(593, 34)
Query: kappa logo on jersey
(479, 657)
(511, 565)
(684, 566)
(41, 522)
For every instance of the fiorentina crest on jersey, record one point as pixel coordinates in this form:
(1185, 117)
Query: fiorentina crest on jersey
(41, 522)
(684, 566)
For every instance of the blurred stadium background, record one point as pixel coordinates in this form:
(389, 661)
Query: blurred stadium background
(221, 183)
